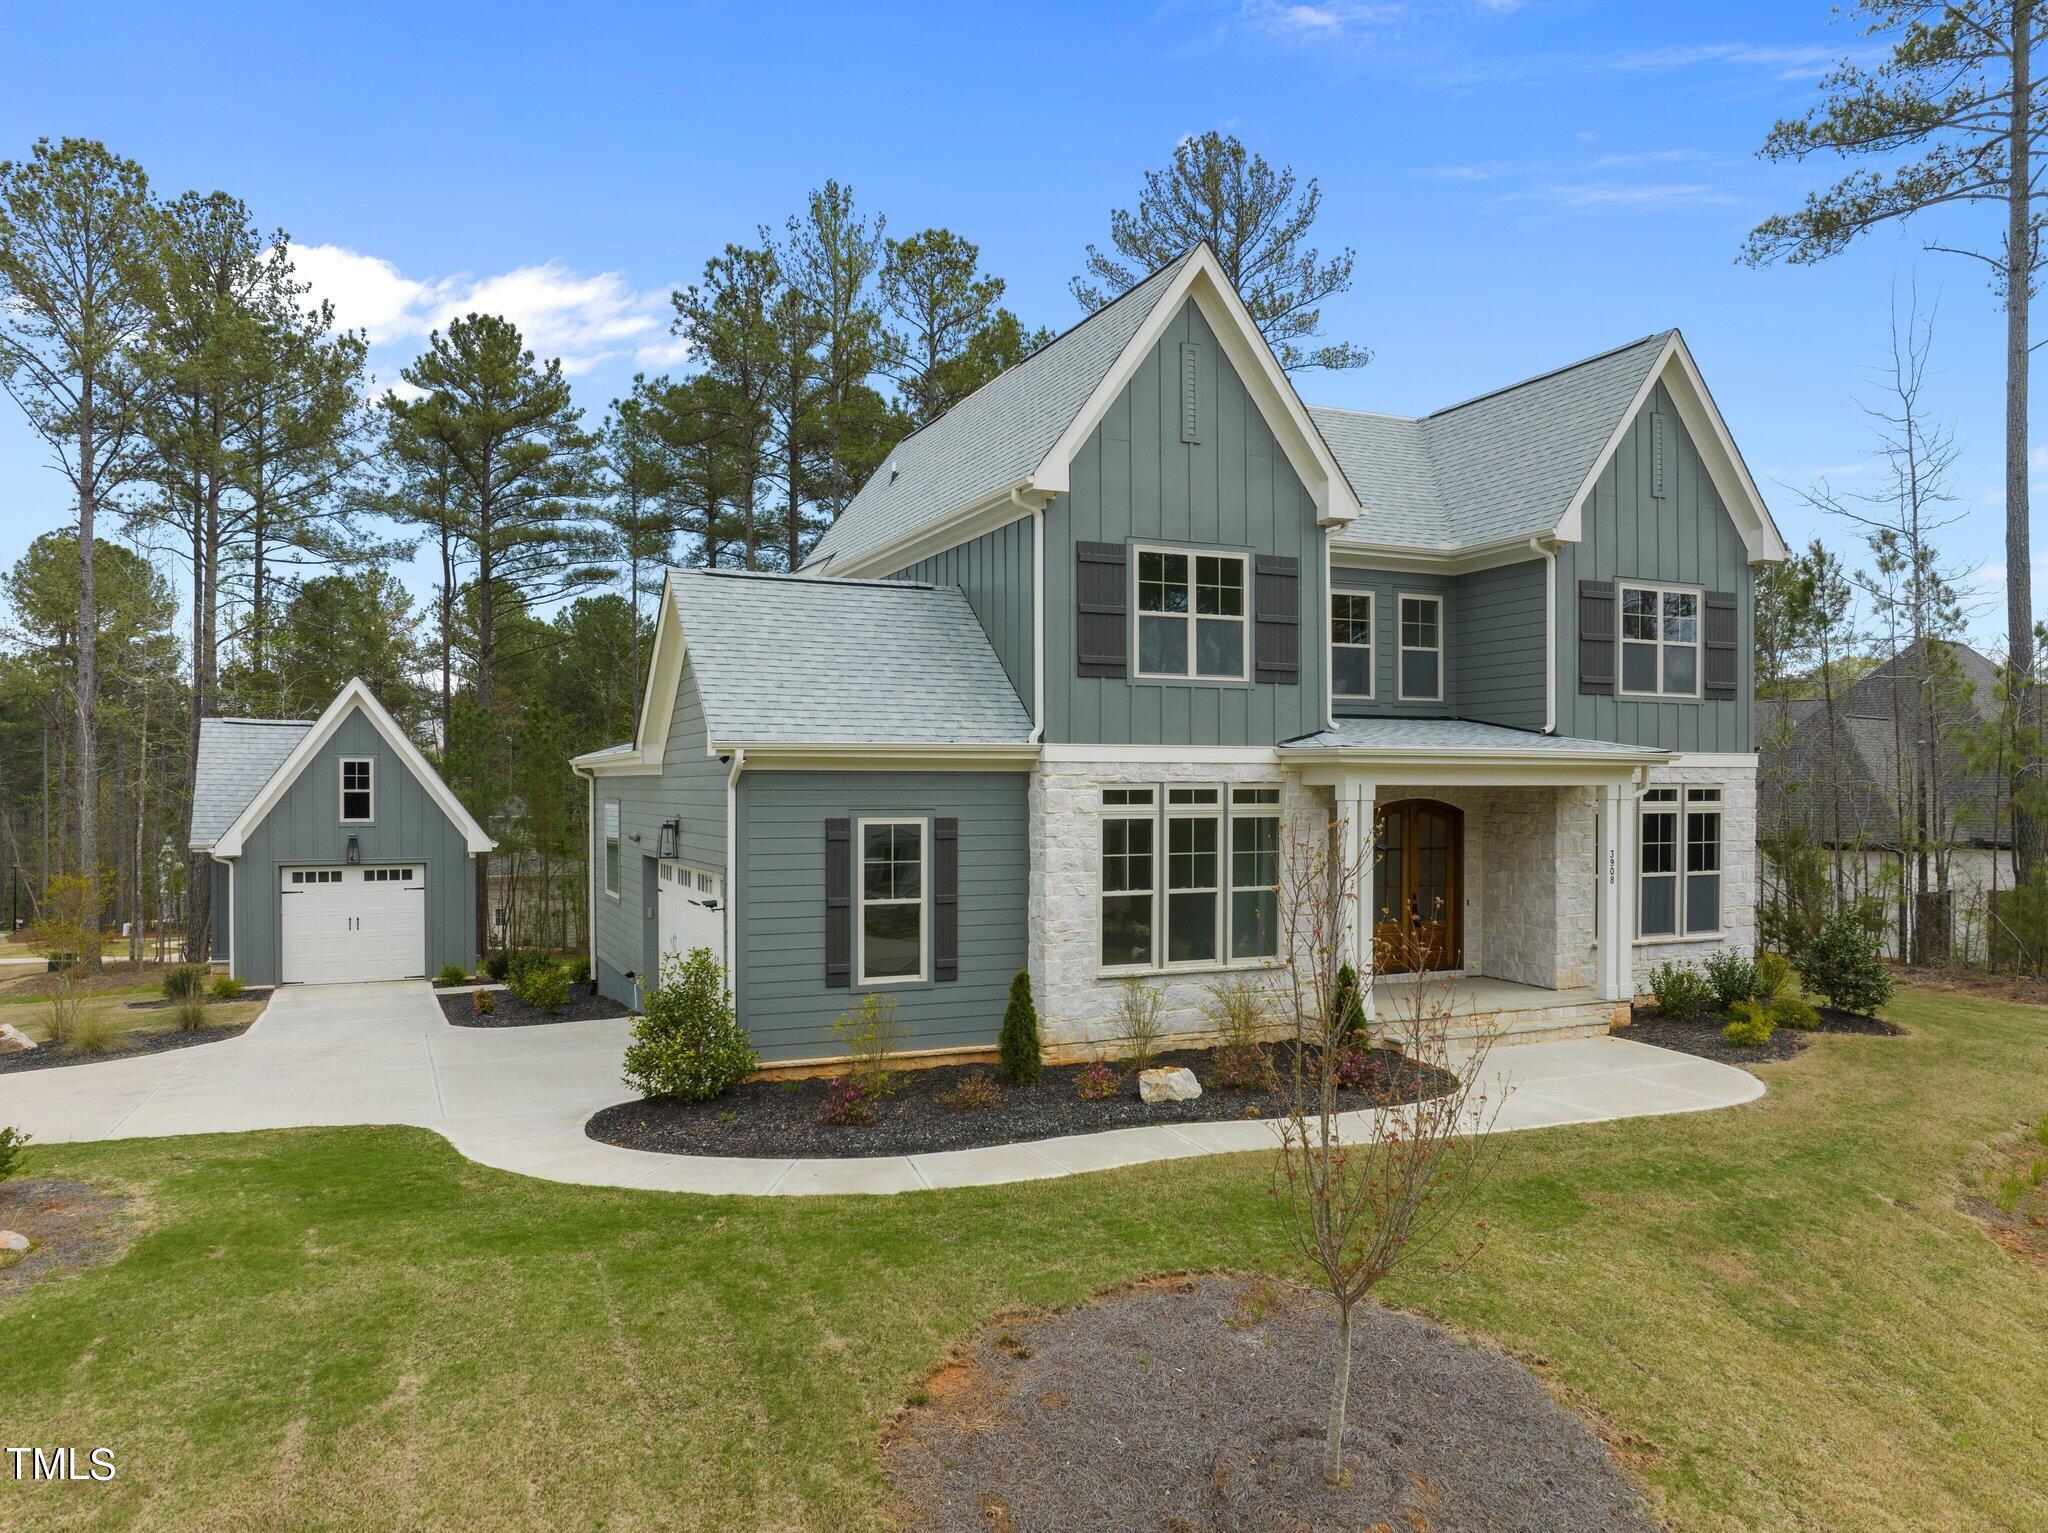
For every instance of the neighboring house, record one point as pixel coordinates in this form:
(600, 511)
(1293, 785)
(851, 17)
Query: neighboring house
(1896, 806)
(1088, 653)
(338, 852)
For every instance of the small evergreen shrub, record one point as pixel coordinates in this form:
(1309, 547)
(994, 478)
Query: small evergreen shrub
(228, 988)
(1348, 1000)
(1018, 1047)
(182, 981)
(848, 1103)
(12, 1142)
(547, 988)
(1794, 1011)
(687, 1042)
(521, 970)
(451, 974)
(1752, 1027)
(579, 969)
(1773, 974)
(1097, 1083)
(975, 1093)
(498, 966)
(1844, 966)
(1681, 993)
(484, 1002)
(1732, 976)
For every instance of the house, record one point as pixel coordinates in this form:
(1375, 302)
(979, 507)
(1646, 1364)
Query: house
(1086, 654)
(1896, 807)
(337, 851)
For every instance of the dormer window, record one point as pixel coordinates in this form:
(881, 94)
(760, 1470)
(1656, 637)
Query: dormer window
(358, 790)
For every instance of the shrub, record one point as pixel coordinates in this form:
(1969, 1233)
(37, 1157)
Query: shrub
(12, 1142)
(1680, 993)
(1352, 1068)
(228, 988)
(1140, 1027)
(973, 1094)
(94, 1032)
(848, 1103)
(451, 974)
(1021, 1057)
(484, 1002)
(1239, 1067)
(1237, 1010)
(547, 988)
(1845, 967)
(189, 1015)
(1732, 976)
(872, 1035)
(522, 970)
(579, 969)
(497, 966)
(1348, 1000)
(183, 981)
(1752, 1027)
(687, 1042)
(1794, 1011)
(1773, 973)
(1097, 1083)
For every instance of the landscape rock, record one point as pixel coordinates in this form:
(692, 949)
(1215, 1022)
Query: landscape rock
(13, 1040)
(1175, 1085)
(10, 1241)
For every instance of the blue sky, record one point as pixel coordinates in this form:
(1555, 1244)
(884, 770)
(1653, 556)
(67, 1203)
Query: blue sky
(1524, 181)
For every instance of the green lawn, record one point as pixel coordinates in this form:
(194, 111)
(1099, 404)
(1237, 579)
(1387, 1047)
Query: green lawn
(1777, 1311)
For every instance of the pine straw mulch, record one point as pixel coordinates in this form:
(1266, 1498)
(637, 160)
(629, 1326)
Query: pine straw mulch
(1200, 1403)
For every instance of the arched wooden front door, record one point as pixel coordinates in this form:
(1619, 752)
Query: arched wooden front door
(1418, 887)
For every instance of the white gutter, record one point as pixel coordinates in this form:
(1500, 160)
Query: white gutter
(732, 857)
(880, 750)
(1548, 551)
(589, 862)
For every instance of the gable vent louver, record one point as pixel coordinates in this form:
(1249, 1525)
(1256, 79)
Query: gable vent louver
(1190, 392)
(1657, 454)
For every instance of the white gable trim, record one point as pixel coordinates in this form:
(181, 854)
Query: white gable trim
(356, 694)
(658, 700)
(1680, 375)
(1202, 279)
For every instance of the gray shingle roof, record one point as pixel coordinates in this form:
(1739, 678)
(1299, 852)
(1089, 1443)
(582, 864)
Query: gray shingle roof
(1505, 463)
(997, 435)
(236, 758)
(1426, 736)
(812, 660)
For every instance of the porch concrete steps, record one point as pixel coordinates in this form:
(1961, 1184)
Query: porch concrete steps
(1542, 1024)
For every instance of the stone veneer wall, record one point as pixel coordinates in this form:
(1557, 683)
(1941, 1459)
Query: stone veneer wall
(1738, 867)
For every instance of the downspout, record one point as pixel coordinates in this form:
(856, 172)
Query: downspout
(1330, 628)
(1549, 556)
(732, 861)
(589, 863)
(235, 947)
(1037, 624)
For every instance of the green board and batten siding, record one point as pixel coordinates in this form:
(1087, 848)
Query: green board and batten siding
(691, 788)
(1499, 624)
(304, 829)
(995, 572)
(783, 999)
(1683, 537)
(1135, 478)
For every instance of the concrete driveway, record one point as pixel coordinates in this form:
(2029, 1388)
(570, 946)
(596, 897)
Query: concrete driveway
(517, 1098)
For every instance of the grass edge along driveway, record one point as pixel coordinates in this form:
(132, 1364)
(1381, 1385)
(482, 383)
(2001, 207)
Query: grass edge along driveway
(1776, 1312)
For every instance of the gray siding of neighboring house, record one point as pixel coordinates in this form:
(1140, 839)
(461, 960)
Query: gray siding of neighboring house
(691, 787)
(1234, 489)
(1501, 655)
(1684, 537)
(1386, 587)
(782, 996)
(995, 572)
(219, 907)
(304, 828)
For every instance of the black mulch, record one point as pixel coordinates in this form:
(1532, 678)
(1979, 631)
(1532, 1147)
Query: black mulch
(70, 1227)
(252, 993)
(785, 1118)
(1703, 1036)
(1201, 1404)
(160, 1040)
(459, 1007)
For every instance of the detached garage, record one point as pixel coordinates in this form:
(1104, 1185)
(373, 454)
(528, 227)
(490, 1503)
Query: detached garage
(338, 853)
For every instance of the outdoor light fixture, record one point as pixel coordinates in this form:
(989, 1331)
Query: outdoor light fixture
(671, 834)
(355, 851)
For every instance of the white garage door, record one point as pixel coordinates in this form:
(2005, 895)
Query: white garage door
(692, 910)
(354, 923)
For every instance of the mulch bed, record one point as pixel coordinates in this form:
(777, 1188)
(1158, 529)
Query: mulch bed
(70, 1227)
(785, 1117)
(1201, 1404)
(141, 1041)
(1702, 1036)
(510, 1011)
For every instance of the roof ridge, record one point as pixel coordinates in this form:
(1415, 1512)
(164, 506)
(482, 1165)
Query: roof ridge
(233, 718)
(798, 577)
(1380, 415)
(1509, 388)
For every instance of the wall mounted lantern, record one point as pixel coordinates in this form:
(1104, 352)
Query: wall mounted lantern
(355, 851)
(671, 836)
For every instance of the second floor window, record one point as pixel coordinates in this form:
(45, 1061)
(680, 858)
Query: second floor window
(1191, 615)
(1422, 649)
(358, 797)
(1660, 641)
(1351, 643)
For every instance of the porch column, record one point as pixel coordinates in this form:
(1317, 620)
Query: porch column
(1355, 808)
(1613, 980)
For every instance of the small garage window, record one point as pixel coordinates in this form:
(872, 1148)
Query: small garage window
(611, 847)
(358, 790)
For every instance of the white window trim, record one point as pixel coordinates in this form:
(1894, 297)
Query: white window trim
(1158, 812)
(342, 791)
(1232, 888)
(1371, 647)
(610, 811)
(1698, 645)
(1402, 648)
(1219, 935)
(861, 978)
(1691, 800)
(1106, 812)
(1243, 618)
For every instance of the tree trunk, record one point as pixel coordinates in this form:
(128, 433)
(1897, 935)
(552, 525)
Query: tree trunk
(1340, 1399)
(85, 687)
(2019, 287)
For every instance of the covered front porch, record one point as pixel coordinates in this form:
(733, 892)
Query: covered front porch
(1500, 857)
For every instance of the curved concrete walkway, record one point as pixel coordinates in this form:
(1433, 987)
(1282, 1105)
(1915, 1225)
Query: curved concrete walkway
(517, 1098)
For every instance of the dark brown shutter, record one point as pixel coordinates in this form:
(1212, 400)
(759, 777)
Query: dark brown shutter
(1722, 648)
(1101, 636)
(838, 904)
(1596, 637)
(1277, 616)
(945, 900)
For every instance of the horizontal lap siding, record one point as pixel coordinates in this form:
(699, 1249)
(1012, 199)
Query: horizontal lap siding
(783, 999)
(1498, 669)
(691, 788)
(994, 570)
(1387, 587)
(304, 828)
(1685, 537)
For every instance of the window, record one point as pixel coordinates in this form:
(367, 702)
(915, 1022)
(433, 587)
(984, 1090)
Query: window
(358, 775)
(891, 925)
(1351, 643)
(387, 875)
(1194, 868)
(1660, 641)
(1191, 615)
(1128, 826)
(1679, 874)
(1422, 649)
(611, 847)
(1254, 873)
(1218, 899)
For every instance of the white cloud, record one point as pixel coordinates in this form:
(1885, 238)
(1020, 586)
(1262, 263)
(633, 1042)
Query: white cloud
(368, 293)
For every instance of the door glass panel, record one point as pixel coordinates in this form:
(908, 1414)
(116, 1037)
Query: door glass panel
(1386, 869)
